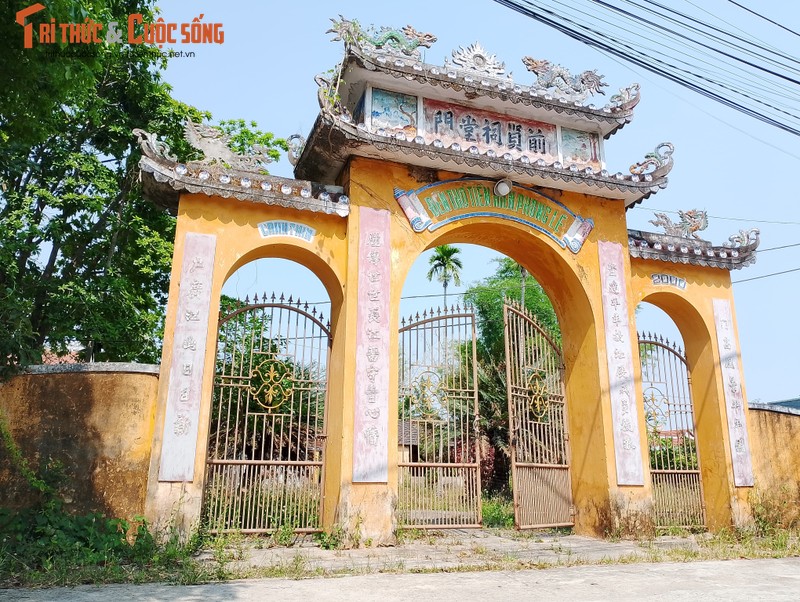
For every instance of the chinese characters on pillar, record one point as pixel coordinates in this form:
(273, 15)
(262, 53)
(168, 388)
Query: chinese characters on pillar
(624, 409)
(734, 396)
(188, 356)
(371, 424)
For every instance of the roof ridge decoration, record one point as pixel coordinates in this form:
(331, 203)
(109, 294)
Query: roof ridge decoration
(475, 58)
(215, 146)
(403, 42)
(553, 82)
(226, 175)
(558, 81)
(680, 243)
(660, 160)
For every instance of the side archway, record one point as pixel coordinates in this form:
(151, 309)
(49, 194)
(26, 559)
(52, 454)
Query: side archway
(709, 406)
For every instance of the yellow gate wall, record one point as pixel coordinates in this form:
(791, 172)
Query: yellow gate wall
(692, 311)
(572, 281)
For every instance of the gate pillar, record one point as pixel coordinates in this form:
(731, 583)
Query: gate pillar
(361, 497)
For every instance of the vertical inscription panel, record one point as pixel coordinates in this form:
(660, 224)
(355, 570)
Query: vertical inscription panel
(624, 409)
(734, 397)
(371, 421)
(189, 344)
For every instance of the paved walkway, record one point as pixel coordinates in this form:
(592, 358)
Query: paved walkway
(456, 549)
(550, 566)
(734, 580)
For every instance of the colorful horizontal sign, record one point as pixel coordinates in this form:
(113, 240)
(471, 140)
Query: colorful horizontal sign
(286, 228)
(436, 205)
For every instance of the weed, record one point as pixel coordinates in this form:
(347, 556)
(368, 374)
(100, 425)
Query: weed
(331, 540)
(498, 512)
(284, 536)
(44, 545)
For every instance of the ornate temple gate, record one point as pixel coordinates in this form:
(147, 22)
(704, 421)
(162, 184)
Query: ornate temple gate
(267, 435)
(439, 462)
(674, 462)
(537, 414)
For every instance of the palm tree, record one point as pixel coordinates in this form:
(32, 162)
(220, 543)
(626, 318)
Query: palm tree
(445, 266)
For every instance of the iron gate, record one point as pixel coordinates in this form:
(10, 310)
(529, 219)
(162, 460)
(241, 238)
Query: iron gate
(538, 423)
(267, 435)
(439, 463)
(674, 462)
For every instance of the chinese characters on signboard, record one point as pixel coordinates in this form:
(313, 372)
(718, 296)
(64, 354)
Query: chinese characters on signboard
(734, 396)
(624, 409)
(371, 444)
(188, 355)
(469, 127)
(486, 130)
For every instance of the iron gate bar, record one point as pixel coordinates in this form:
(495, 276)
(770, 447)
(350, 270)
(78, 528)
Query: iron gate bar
(674, 459)
(265, 466)
(538, 433)
(438, 376)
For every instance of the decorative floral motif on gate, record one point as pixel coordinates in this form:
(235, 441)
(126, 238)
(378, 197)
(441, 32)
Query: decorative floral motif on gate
(538, 395)
(271, 385)
(430, 397)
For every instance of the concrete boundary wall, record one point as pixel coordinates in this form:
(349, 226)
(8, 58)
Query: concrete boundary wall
(776, 450)
(96, 420)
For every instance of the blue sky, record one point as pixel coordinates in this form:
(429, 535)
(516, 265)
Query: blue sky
(726, 163)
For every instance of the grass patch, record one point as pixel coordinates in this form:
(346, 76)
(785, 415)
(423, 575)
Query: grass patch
(498, 512)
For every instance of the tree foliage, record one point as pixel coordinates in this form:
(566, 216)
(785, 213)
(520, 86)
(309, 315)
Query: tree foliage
(445, 267)
(83, 256)
(487, 298)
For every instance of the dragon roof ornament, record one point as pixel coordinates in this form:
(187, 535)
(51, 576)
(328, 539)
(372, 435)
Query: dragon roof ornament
(215, 146)
(691, 222)
(559, 82)
(403, 42)
(680, 243)
(656, 164)
(219, 174)
(397, 51)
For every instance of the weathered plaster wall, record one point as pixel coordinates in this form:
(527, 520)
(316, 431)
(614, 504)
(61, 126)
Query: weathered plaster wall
(775, 440)
(96, 419)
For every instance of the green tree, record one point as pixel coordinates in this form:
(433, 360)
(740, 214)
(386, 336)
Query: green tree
(487, 298)
(445, 267)
(83, 256)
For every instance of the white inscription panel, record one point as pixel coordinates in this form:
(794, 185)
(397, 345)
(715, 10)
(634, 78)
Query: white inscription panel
(734, 396)
(371, 437)
(624, 409)
(188, 356)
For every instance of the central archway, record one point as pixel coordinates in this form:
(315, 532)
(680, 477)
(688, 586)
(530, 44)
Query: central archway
(561, 281)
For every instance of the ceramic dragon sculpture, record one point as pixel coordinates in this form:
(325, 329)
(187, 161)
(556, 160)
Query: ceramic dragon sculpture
(656, 164)
(406, 40)
(214, 145)
(691, 223)
(562, 82)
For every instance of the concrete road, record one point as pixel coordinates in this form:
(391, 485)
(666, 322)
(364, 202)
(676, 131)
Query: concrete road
(745, 580)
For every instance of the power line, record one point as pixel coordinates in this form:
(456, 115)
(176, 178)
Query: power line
(746, 94)
(767, 19)
(732, 219)
(765, 276)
